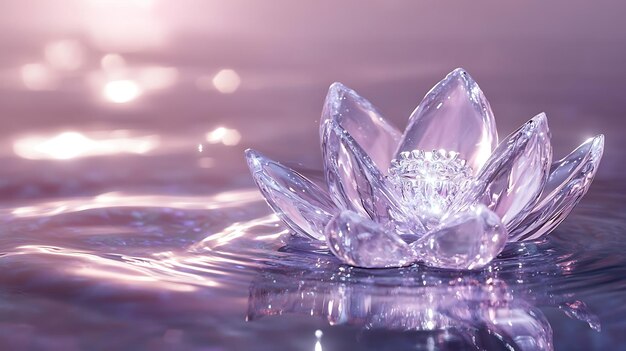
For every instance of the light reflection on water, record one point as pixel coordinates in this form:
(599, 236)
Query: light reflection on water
(111, 200)
(72, 144)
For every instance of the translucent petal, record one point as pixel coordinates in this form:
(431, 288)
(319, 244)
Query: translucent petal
(574, 173)
(361, 242)
(466, 240)
(354, 181)
(302, 205)
(570, 166)
(370, 130)
(511, 181)
(454, 116)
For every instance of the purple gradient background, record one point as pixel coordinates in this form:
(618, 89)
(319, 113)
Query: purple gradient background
(562, 57)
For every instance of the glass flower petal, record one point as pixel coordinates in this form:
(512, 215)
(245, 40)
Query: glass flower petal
(354, 181)
(570, 166)
(361, 242)
(467, 240)
(370, 130)
(301, 205)
(453, 116)
(511, 181)
(574, 175)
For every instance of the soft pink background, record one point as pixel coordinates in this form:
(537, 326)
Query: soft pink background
(562, 57)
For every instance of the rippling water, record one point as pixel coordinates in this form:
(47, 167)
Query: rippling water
(151, 270)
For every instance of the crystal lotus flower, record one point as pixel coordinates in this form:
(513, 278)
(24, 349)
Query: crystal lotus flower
(445, 193)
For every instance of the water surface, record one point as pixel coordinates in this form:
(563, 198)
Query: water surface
(152, 270)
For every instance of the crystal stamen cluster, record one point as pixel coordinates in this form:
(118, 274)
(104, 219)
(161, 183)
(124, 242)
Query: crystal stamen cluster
(430, 181)
(445, 193)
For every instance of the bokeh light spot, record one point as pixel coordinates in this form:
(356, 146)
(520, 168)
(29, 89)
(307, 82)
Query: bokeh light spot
(121, 91)
(226, 136)
(64, 55)
(37, 76)
(112, 62)
(226, 81)
(71, 144)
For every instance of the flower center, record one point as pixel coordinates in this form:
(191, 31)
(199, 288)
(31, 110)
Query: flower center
(429, 181)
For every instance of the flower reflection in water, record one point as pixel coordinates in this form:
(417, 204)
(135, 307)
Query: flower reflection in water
(443, 310)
